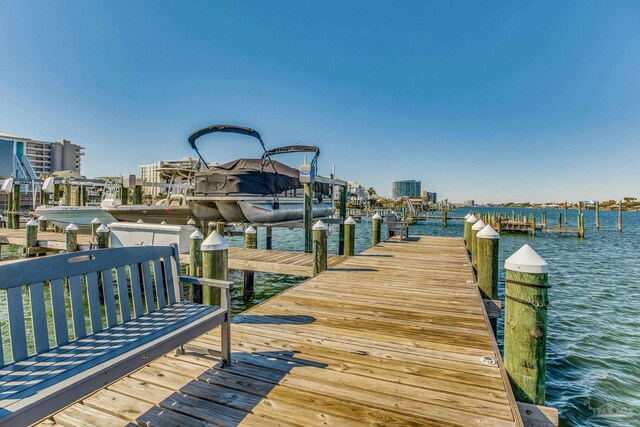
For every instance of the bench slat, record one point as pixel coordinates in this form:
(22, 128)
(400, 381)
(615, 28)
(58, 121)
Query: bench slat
(16, 323)
(148, 287)
(159, 276)
(172, 279)
(123, 294)
(60, 326)
(95, 311)
(39, 317)
(134, 271)
(77, 307)
(109, 298)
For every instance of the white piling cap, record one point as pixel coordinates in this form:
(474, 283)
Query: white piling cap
(32, 222)
(102, 229)
(140, 221)
(42, 218)
(472, 219)
(350, 221)
(215, 242)
(196, 235)
(467, 216)
(376, 216)
(319, 225)
(526, 260)
(479, 225)
(163, 223)
(191, 221)
(96, 221)
(71, 227)
(488, 233)
(250, 230)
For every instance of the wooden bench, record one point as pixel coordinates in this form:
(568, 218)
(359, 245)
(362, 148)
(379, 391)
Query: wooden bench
(80, 321)
(396, 227)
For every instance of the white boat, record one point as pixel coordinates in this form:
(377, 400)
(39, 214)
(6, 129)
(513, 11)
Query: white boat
(81, 216)
(260, 191)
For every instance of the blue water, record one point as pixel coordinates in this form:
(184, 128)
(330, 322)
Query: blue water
(593, 353)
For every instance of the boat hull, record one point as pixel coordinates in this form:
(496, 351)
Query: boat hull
(173, 215)
(80, 216)
(204, 208)
(262, 212)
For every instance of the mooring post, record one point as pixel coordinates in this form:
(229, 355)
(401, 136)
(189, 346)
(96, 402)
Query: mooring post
(71, 238)
(566, 207)
(250, 242)
(544, 219)
(319, 247)
(215, 257)
(78, 196)
(220, 227)
(487, 269)
(137, 195)
(31, 235)
(308, 217)
(102, 237)
(444, 218)
(67, 193)
(192, 222)
(210, 227)
(581, 228)
(9, 218)
(620, 216)
(349, 236)
(43, 223)
(95, 224)
(343, 216)
(468, 223)
(15, 223)
(376, 229)
(598, 215)
(195, 264)
(525, 331)
(269, 238)
(559, 220)
(124, 194)
(533, 225)
(56, 193)
(475, 228)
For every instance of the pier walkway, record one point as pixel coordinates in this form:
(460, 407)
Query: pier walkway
(395, 336)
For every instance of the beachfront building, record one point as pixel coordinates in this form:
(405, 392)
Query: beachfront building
(150, 172)
(27, 158)
(405, 188)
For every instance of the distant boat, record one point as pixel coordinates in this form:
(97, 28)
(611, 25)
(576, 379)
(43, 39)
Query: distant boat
(261, 191)
(81, 216)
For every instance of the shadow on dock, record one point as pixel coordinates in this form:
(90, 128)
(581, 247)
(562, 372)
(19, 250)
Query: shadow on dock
(273, 319)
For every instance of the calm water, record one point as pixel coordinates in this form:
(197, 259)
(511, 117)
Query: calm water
(593, 364)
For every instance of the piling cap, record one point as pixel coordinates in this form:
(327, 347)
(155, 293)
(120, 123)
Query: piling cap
(250, 230)
(96, 221)
(319, 225)
(42, 218)
(32, 222)
(377, 216)
(140, 221)
(163, 223)
(71, 227)
(526, 260)
(191, 221)
(479, 225)
(350, 221)
(196, 235)
(467, 216)
(472, 219)
(102, 229)
(488, 233)
(215, 242)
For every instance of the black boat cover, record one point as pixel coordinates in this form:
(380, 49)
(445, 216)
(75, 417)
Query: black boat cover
(250, 176)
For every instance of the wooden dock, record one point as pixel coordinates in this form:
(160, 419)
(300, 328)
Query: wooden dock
(395, 336)
(47, 240)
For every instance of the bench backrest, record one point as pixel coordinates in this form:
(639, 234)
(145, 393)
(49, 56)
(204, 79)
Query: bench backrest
(53, 300)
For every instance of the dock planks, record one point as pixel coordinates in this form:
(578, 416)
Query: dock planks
(394, 336)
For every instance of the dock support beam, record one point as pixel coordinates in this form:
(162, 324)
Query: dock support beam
(525, 324)
(195, 264)
(376, 229)
(319, 248)
(250, 242)
(102, 237)
(215, 263)
(343, 217)
(308, 217)
(71, 239)
(269, 238)
(349, 237)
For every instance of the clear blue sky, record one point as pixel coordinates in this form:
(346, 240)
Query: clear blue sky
(494, 101)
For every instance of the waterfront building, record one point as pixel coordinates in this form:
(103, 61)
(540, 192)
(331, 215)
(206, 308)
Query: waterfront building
(429, 197)
(150, 172)
(22, 157)
(469, 203)
(405, 188)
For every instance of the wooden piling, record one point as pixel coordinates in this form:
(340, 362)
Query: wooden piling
(598, 215)
(475, 229)
(67, 193)
(71, 239)
(195, 264)
(525, 332)
(137, 195)
(220, 227)
(78, 196)
(444, 218)
(620, 216)
(31, 235)
(211, 226)
(95, 224)
(215, 262)
(43, 223)
(468, 223)
(15, 207)
(308, 217)
(343, 216)
(566, 207)
(533, 225)
(319, 247)
(269, 238)
(349, 236)
(559, 220)
(487, 270)
(376, 229)
(124, 195)
(250, 242)
(102, 237)
(56, 193)
(581, 226)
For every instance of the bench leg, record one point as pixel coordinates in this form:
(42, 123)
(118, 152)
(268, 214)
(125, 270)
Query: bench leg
(180, 351)
(225, 340)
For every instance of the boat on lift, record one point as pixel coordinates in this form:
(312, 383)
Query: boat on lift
(260, 191)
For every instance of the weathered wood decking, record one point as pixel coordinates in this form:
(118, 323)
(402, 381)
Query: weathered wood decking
(394, 336)
(46, 239)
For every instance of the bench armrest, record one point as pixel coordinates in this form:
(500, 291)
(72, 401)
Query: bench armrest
(213, 283)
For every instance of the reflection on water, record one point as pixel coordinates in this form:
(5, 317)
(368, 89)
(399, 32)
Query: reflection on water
(593, 368)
